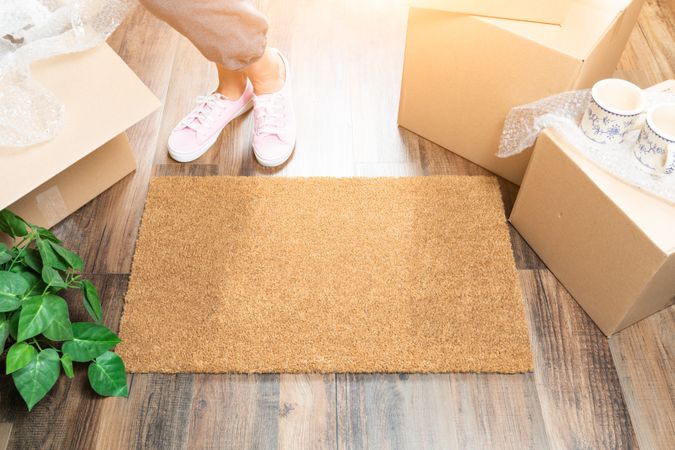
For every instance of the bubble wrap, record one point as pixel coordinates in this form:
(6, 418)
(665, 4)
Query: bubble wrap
(563, 112)
(31, 30)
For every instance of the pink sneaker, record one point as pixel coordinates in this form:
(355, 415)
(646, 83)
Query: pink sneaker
(200, 129)
(274, 124)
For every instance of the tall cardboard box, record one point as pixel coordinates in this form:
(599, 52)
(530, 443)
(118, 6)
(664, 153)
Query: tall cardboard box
(610, 244)
(462, 74)
(102, 97)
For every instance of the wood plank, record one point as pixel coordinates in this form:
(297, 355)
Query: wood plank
(185, 170)
(155, 415)
(644, 356)
(234, 412)
(436, 160)
(5, 433)
(439, 411)
(649, 57)
(370, 48)
(577, 384)
(307, 411)
(321, 85)
(388, 169)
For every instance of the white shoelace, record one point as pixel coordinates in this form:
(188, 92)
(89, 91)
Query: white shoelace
(270, 114)
(203, 115)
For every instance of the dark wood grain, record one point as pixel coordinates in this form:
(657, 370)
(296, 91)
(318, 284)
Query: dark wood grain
(155, 416)
(234, 412)
(185, 170)
(439, 411)
(644, 356)
(576, 380)
(5, 433)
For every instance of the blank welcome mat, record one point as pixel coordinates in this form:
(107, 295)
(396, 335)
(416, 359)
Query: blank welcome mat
(252, 274)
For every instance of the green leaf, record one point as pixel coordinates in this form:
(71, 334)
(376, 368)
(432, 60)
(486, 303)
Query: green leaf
(31, 258)
(37, 314)
(60, 328)
(36, 379)
(107, 376)
(4, 331)
(53, 278)
(18, 356)
(9, 303)
(12, 285)
(90, 340)
(72, 259)
(5, 254)
(67, 365)
(34, 281)
(47, 235)
(14, 324)
(12, 224)
(92, 303)
(49, 256)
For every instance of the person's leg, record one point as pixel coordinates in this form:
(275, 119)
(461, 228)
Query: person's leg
(232, 34)
(231, 83)
(268, 73)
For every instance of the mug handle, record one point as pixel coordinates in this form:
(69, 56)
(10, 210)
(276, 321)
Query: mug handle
(639, 122)
(670, 158)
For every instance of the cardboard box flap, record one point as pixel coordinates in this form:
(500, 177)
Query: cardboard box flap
(654, 217)
(102, 98)
(584, 26)
(542, 11)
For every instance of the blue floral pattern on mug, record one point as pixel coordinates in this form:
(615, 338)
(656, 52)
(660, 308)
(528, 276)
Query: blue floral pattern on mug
(651, 151)
(606, 127)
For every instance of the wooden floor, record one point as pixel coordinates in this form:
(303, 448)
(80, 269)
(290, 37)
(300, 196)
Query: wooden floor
(587, 392)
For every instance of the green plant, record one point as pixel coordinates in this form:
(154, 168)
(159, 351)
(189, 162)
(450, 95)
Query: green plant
(35, 324)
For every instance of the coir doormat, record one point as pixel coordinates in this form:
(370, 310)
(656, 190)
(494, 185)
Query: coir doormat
(250, 274)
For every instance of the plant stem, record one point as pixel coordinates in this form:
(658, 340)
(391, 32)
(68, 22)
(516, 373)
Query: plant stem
(18, 255)
(37, 344)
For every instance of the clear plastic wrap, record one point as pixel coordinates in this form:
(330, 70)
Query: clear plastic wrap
(31, 30)
(563, 112)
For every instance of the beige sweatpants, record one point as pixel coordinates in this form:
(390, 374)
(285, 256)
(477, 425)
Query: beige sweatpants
(231, 33)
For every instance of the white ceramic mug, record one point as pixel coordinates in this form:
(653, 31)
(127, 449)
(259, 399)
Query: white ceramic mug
(615, 109)
(655, 148)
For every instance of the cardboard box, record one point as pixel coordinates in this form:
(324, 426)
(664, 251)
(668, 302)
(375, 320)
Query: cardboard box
(610, 244)
(102, 97)
(542, 11)
(462, 74)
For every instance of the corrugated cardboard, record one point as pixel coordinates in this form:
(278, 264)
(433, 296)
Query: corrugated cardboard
(542, 11)
(71, 189)
(102, 97)
(611, 245)
(462, 74)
